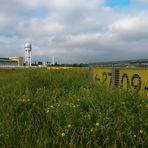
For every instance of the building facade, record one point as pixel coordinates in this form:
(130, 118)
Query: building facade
(19, 60)
(11, 61)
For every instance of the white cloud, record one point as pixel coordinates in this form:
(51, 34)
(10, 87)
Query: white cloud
(132, 27)
(73, 31)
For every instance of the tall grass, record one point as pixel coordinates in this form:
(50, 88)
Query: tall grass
(63, 108)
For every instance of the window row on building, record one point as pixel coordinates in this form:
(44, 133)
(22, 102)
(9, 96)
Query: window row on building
(11, 61)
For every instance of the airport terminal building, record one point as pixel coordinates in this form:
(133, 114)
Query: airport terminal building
(11, 62)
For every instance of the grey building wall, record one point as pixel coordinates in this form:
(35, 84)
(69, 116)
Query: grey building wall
(6, 62)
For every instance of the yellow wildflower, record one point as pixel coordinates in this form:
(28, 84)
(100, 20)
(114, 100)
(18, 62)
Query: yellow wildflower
(141, 131)
(69, 125)
(92, 129)
(97, 124)
(47, 110)
(89, 116)
(63, 134)
(52, 107)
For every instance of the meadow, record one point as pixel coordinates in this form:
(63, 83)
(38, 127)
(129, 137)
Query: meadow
(42, 108)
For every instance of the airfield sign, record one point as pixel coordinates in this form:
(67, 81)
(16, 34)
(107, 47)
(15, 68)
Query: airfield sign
(135, 79)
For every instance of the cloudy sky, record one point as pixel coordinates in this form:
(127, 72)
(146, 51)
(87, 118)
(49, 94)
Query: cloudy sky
(75, 31)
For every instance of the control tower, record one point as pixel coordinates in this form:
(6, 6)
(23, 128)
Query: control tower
(28, 49)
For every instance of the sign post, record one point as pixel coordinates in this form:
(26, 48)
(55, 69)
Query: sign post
(135, 79)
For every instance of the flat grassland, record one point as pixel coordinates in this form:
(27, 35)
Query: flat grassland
(42, 108)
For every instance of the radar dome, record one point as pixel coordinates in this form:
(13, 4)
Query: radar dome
(28, 45)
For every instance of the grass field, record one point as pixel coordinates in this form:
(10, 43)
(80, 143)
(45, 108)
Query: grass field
(42, 108)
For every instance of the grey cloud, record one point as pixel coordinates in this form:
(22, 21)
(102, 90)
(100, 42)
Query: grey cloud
(132, 28)
(141, 1)
(79, 31)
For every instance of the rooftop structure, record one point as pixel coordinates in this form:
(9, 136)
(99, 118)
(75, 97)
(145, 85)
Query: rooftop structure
(28, 46)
